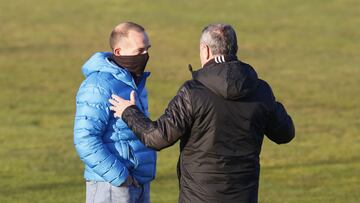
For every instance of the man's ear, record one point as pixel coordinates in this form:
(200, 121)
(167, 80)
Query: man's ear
(116, 51)
(208, 52)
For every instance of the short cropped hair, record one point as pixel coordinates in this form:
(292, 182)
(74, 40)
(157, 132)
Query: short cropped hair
(121, 31)
(221, 39)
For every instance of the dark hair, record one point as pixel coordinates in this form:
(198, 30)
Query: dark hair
(122, 30)
(221, 39)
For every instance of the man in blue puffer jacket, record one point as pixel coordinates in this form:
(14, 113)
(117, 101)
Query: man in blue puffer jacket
(118, 167)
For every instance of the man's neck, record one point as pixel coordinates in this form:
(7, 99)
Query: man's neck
(113, 59)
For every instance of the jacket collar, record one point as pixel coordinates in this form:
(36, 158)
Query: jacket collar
(220, 59)
(99, 62)
(125, 76)
(227, 77)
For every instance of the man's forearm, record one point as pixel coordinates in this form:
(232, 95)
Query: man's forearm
(154, 134)
(281, 129)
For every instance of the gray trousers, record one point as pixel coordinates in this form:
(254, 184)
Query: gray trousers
(104, 192)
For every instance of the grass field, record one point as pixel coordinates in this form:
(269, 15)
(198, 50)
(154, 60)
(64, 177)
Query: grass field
(307, 50)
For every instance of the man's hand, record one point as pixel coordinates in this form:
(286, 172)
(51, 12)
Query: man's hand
(119, 104)
(130, 181)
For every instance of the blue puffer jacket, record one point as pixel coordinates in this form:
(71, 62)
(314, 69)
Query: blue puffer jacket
(108, 148)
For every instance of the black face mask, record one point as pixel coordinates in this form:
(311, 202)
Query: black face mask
(135, 64)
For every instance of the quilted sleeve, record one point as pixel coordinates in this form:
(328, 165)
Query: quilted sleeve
(91, 121)
(169, 128)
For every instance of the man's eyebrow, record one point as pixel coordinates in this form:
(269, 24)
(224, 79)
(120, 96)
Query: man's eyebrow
(143, 48)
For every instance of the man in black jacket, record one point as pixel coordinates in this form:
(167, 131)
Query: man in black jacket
(220, 117)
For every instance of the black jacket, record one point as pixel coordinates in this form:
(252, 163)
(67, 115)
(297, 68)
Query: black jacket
(220, 117)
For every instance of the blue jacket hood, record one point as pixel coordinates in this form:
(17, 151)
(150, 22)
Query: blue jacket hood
(99, 62)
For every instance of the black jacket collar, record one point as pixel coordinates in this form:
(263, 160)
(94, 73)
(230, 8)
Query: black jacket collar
(221, 59)
(227, 77)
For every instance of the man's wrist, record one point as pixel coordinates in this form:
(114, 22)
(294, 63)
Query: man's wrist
(128, 112)
(129, 181)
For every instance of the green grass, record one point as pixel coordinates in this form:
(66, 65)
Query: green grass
(307, 50)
